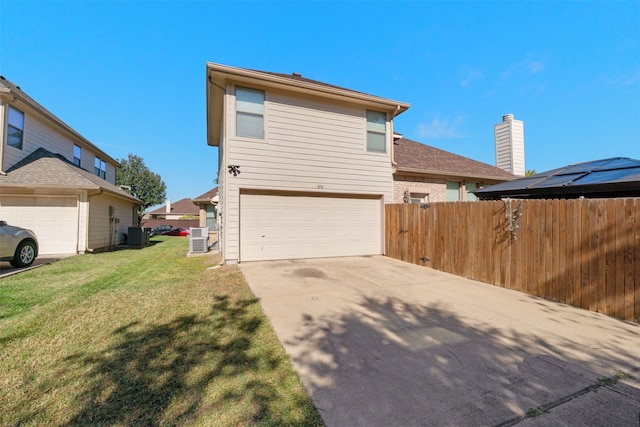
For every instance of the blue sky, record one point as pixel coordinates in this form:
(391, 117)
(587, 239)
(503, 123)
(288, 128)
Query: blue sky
(130, 76)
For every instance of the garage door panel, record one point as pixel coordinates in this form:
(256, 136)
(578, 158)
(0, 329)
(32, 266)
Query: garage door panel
(290, 227)
(54, 220)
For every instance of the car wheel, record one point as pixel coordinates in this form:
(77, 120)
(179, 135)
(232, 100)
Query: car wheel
(25, 254)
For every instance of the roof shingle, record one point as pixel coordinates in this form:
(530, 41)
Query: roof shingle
(181, 207)
(45, 169)
(207, 196)
(420, 157)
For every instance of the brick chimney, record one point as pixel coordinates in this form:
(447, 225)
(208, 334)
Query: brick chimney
(509, 140)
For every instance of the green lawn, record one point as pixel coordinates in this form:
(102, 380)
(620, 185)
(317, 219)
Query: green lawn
(145, 337)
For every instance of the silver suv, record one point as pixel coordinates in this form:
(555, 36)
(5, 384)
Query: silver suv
(18, 245)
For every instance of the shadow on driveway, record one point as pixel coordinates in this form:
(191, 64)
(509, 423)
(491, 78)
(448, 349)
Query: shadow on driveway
(379, 342)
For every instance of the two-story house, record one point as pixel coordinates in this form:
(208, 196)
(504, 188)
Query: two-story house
(56, 182)
(304, 167)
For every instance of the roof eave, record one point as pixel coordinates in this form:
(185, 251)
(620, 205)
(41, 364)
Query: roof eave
(123, 196)
(456, 174)
(51, 118)
(222, 73)
(96, 188)
(218, 75)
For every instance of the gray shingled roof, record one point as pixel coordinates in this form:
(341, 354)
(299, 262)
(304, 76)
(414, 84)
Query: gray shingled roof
(419, 157)
(45, 169)
(17, 92)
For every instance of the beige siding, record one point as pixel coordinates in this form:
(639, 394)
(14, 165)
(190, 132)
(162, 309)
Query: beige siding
(102, 232)
(37, 134)
(110, 175)
(309, 145)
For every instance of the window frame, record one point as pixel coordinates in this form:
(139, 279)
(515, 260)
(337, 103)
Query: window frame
(100, 168)
(211, 214)
(469, 196)
(240, 111)
(371, 130)
(77, 159)
(418, 198)
(459, 186)
(11, 126)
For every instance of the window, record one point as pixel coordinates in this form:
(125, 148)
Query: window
(471, 186)
(77, 155)
(376, 131)
(418, 198)
(211, 217)
(453, 191)
(249, 113)
(100, 168)
(15, 129)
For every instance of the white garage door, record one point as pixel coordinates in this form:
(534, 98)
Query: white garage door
(53, 219)
(289, 227)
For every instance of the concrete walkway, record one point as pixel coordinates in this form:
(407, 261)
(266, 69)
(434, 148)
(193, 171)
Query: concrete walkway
(380, 342)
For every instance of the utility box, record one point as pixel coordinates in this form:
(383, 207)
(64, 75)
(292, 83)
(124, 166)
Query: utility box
(137, 236)
(198, 240)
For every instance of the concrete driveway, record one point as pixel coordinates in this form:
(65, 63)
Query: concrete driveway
(379, 342)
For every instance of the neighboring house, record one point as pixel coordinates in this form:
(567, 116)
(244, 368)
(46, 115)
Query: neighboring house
(56, 182)
(615, 177)
(423, 174)
(181, 214)
(304, 167)
(208, 205)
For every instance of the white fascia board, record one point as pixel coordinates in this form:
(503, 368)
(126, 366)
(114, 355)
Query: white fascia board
(220, 73)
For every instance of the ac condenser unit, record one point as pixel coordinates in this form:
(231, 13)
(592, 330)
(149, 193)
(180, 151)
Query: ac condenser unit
(198, 240)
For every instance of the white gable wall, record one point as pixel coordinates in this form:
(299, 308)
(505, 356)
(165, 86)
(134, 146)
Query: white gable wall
(103, 232)
(310, 145)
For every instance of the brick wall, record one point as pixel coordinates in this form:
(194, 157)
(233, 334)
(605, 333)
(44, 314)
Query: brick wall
(436, 188)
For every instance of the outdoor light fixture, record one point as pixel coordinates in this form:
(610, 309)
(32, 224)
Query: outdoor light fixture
(407, 196)
(234, 170)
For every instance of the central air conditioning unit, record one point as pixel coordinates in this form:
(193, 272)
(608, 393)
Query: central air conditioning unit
(136, 236)
(198, 240)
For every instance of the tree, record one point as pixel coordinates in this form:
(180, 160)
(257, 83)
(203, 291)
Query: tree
(145, 185)
(530, 172)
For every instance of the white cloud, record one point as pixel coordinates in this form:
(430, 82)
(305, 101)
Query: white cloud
(441, 128)
(625, 80)
(526, 66)
(470, 77)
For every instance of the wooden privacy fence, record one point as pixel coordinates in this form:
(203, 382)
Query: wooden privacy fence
(582, 252)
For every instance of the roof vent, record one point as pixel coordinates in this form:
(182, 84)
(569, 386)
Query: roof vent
(296, 74)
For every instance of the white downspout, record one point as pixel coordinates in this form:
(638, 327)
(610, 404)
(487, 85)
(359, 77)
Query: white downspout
(3, 133)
